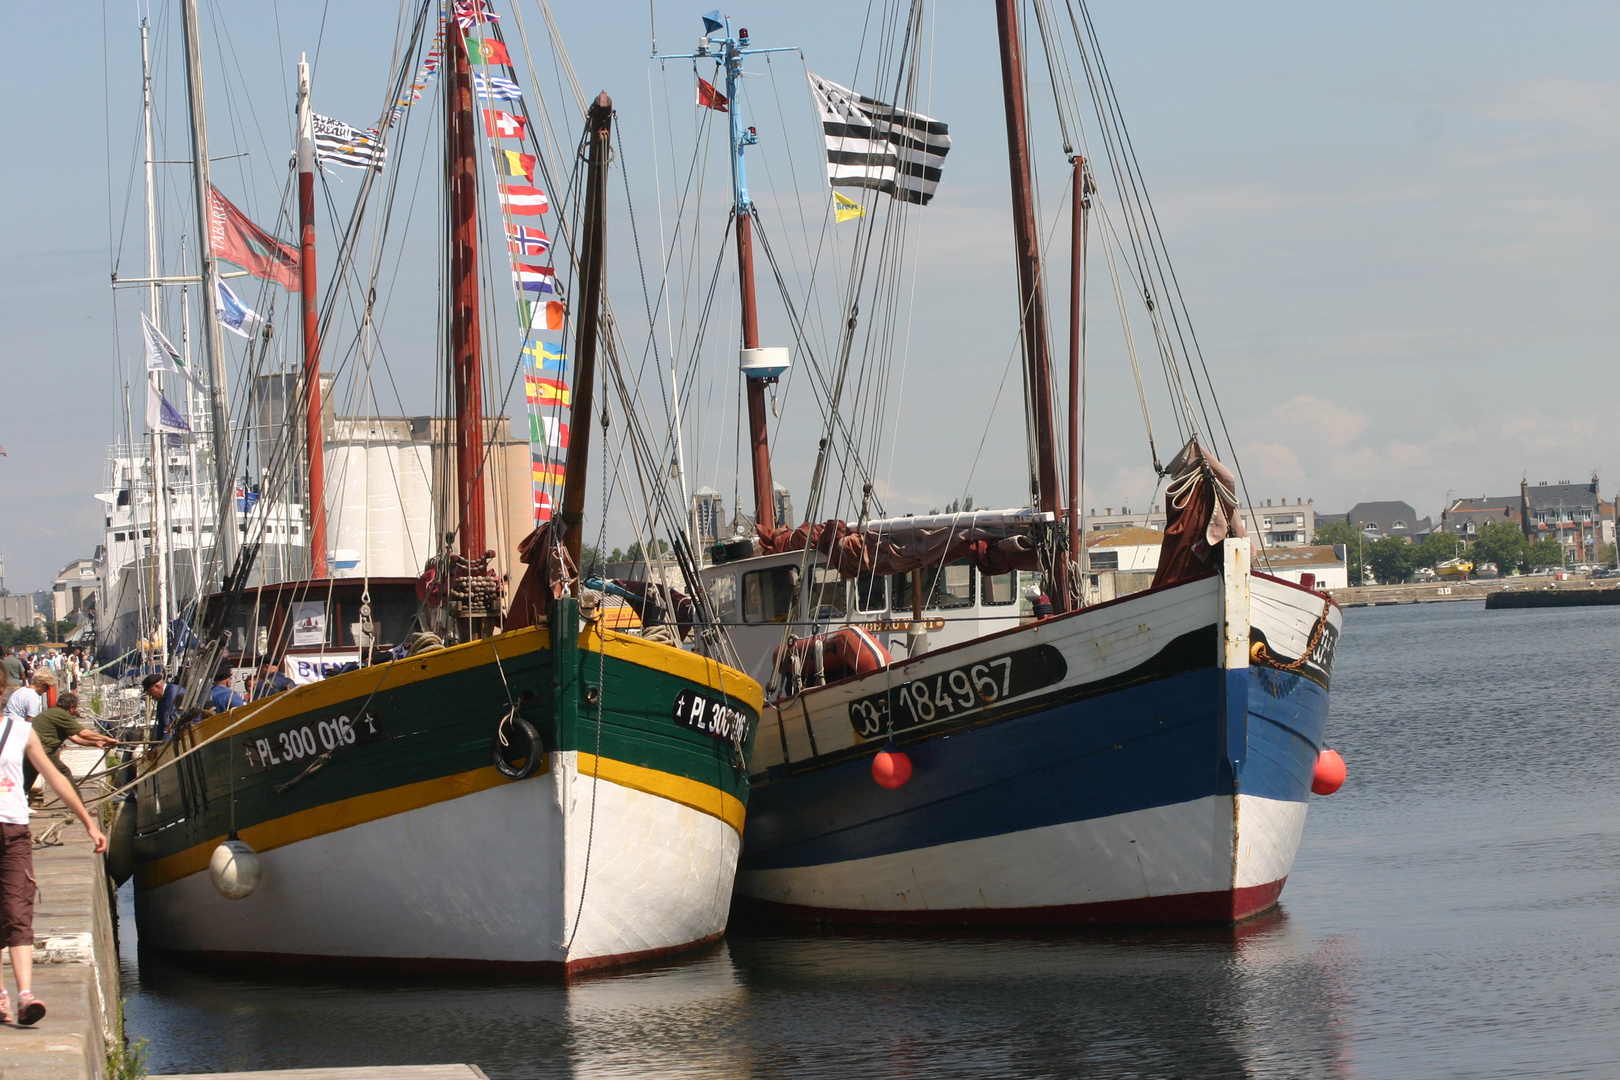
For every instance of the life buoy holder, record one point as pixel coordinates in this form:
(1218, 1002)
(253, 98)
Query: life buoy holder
(836, 654)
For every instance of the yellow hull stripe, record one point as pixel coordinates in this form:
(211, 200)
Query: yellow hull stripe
(694, 793)
(347, 813)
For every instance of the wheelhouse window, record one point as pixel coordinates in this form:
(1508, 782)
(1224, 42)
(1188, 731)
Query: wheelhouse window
(829, 593)
(871, 592)
(944, 587)
(1000, 589)
(768, 595)
(723, 595)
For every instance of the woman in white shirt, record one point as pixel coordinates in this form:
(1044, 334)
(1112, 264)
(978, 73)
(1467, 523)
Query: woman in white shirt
(17, 886)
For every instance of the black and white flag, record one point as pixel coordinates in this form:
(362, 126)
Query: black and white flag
(341, 144)
(873, 145)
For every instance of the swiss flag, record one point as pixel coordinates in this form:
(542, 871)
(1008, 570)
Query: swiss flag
(503, 125)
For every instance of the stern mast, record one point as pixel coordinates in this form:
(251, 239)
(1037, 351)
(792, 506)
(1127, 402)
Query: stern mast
(310, 299)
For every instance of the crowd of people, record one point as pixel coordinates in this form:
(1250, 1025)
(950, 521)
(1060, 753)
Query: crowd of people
(70, 665)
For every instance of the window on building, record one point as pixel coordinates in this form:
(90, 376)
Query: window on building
(829, 593)
(1400, 525)
(768, 595)
(1000, 589)
(1105, 560)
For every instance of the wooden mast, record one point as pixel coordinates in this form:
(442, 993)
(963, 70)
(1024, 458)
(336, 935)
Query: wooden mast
(461, 188)
(593, 241)
(309, 297)
(758, 437)
(1037, 375)
(1077, 284)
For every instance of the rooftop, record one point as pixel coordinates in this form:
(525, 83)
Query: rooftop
(1297, 558)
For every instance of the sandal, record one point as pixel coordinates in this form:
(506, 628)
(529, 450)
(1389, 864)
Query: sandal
(5, 1008)
(30, 1010)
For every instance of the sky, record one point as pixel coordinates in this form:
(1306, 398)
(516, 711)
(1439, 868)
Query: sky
(1396, 228)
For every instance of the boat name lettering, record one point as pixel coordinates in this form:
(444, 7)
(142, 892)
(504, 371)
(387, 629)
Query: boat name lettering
(942, 695)
(885, 625)
(300, 741)
(705, 714)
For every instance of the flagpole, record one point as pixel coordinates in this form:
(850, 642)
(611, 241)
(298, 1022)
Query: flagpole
(313, 443)
(461, 188)
(1038, 374)
(158, 462)
(213, 350)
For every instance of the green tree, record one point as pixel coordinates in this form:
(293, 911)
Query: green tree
(1392, 559)
(1502, 543)
(962, 505)
(590, 559)
(1548, 552)
(1436, 548)
(1340, 531)
(633, 554)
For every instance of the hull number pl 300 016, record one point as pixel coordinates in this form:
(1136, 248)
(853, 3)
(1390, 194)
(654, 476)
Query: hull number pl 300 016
(942, 695)
(300, 742)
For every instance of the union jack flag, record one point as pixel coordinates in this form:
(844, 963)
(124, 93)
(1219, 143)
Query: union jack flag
(469, 13)
(522, 240)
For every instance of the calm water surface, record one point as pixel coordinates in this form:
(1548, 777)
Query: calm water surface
(1452, 913)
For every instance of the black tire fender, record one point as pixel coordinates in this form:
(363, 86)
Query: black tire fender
(517, 749)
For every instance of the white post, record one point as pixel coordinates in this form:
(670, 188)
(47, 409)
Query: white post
(1235, 603)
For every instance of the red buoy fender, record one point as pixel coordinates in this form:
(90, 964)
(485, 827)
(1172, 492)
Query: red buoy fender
(1330, 772)
(891, 767)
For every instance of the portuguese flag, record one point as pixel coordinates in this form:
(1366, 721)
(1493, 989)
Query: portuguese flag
(486, 50)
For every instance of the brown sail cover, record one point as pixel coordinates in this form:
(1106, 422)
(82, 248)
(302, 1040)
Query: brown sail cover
(545, 579)
(853, 551)
(1201, 511)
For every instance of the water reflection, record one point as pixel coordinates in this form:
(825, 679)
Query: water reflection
(1259, 1000)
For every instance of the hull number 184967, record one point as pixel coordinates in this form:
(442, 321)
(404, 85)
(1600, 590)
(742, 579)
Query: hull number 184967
(943, 695)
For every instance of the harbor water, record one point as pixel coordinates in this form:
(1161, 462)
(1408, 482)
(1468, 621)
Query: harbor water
(1452, 913)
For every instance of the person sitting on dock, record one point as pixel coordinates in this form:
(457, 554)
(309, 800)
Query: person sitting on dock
(19, 741)
(223, 696)
(168, 698)
(56, 726)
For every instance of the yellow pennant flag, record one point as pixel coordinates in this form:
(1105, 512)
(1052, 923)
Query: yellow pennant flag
(846, 209)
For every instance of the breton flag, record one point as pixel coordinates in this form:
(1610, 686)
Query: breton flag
(845, 208)
(236, 316)
(232, 237)
(548, 431)
(535, 279)
(526, 240)
(160, 355)
(342, 144)
(709, 97)
(873, 145)
(546, 356)
(503, 125)
(512, 163)
(493, 87)
(543, 315)
(486, 50)
(542, 391)
(521, 199)
(547, 472)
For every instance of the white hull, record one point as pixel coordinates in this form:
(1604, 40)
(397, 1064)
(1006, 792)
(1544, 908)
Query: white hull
(527, 873)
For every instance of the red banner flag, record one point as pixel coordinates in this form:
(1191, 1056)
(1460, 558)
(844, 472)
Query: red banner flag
(232, 237)
(709, 97)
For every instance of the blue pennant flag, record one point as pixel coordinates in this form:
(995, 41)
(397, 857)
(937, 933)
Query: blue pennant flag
(236, 316)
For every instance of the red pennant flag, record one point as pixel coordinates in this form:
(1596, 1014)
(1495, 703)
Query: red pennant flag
(709, 97)
(232, 237)
(503, 125)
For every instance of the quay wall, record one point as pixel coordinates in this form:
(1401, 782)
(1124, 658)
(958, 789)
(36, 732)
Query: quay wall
(1442, 591)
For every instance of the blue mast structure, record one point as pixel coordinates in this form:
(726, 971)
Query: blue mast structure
(761, 367)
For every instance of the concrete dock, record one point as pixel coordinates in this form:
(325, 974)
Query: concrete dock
(75, 962)
(1434, 592)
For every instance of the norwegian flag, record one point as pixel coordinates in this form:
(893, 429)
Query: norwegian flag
(542, 508)
(523, 240)
(469, 13)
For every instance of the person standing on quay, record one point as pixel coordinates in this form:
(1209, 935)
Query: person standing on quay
(14, 667)
(59, 725)
(18, 741)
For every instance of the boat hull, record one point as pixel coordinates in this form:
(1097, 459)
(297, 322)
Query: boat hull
(1150, 783)
(411, 850)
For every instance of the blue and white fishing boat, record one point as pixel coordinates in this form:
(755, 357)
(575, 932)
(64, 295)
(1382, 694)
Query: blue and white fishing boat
(942, 743)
